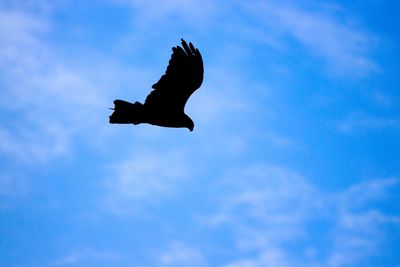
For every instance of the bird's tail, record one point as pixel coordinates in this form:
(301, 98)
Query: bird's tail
(125, 112)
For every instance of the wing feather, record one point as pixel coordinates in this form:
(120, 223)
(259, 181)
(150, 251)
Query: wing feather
(183, 76)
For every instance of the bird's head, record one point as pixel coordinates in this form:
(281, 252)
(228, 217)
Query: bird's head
(188, 123)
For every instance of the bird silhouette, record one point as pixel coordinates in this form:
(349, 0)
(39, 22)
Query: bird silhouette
(165, 104)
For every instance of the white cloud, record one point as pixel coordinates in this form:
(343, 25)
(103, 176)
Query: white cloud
(270, 210)
(270, 257)
(322, 31)
(271, 190)
(266, 209)
(357, 121)
(20, 32)
(13, 185)
(144, 177)
(179, 254)
(88, 257)
(381, 99)
(282, 141)
(364, 192)
(42, 89)
(26, 146)
(46, 100)
(23, 57)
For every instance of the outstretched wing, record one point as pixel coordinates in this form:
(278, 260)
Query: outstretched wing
(183, 76)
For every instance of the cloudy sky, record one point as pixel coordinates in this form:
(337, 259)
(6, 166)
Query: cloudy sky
(293, 161)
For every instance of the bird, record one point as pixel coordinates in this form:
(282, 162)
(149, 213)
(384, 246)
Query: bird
(165, 104)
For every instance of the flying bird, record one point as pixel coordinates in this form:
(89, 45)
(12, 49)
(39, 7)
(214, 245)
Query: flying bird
(165, 104)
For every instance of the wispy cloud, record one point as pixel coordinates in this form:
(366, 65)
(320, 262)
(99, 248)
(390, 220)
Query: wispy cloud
(26, 146)
(269, 209)
(45, 100)
(324, 31)
(358, 121)
(88, 256)
(178, 254)
(270, 257)
(44, 89)
(12, 185)
(366, 191)
(272, 215)
(344, 47)
(144, 177)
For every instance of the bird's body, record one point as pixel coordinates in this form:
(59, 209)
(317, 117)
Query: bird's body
(164, 106)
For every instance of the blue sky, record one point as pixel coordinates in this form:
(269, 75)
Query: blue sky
(293, 160)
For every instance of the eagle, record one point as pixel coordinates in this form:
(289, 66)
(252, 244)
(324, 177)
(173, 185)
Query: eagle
(165, 104)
